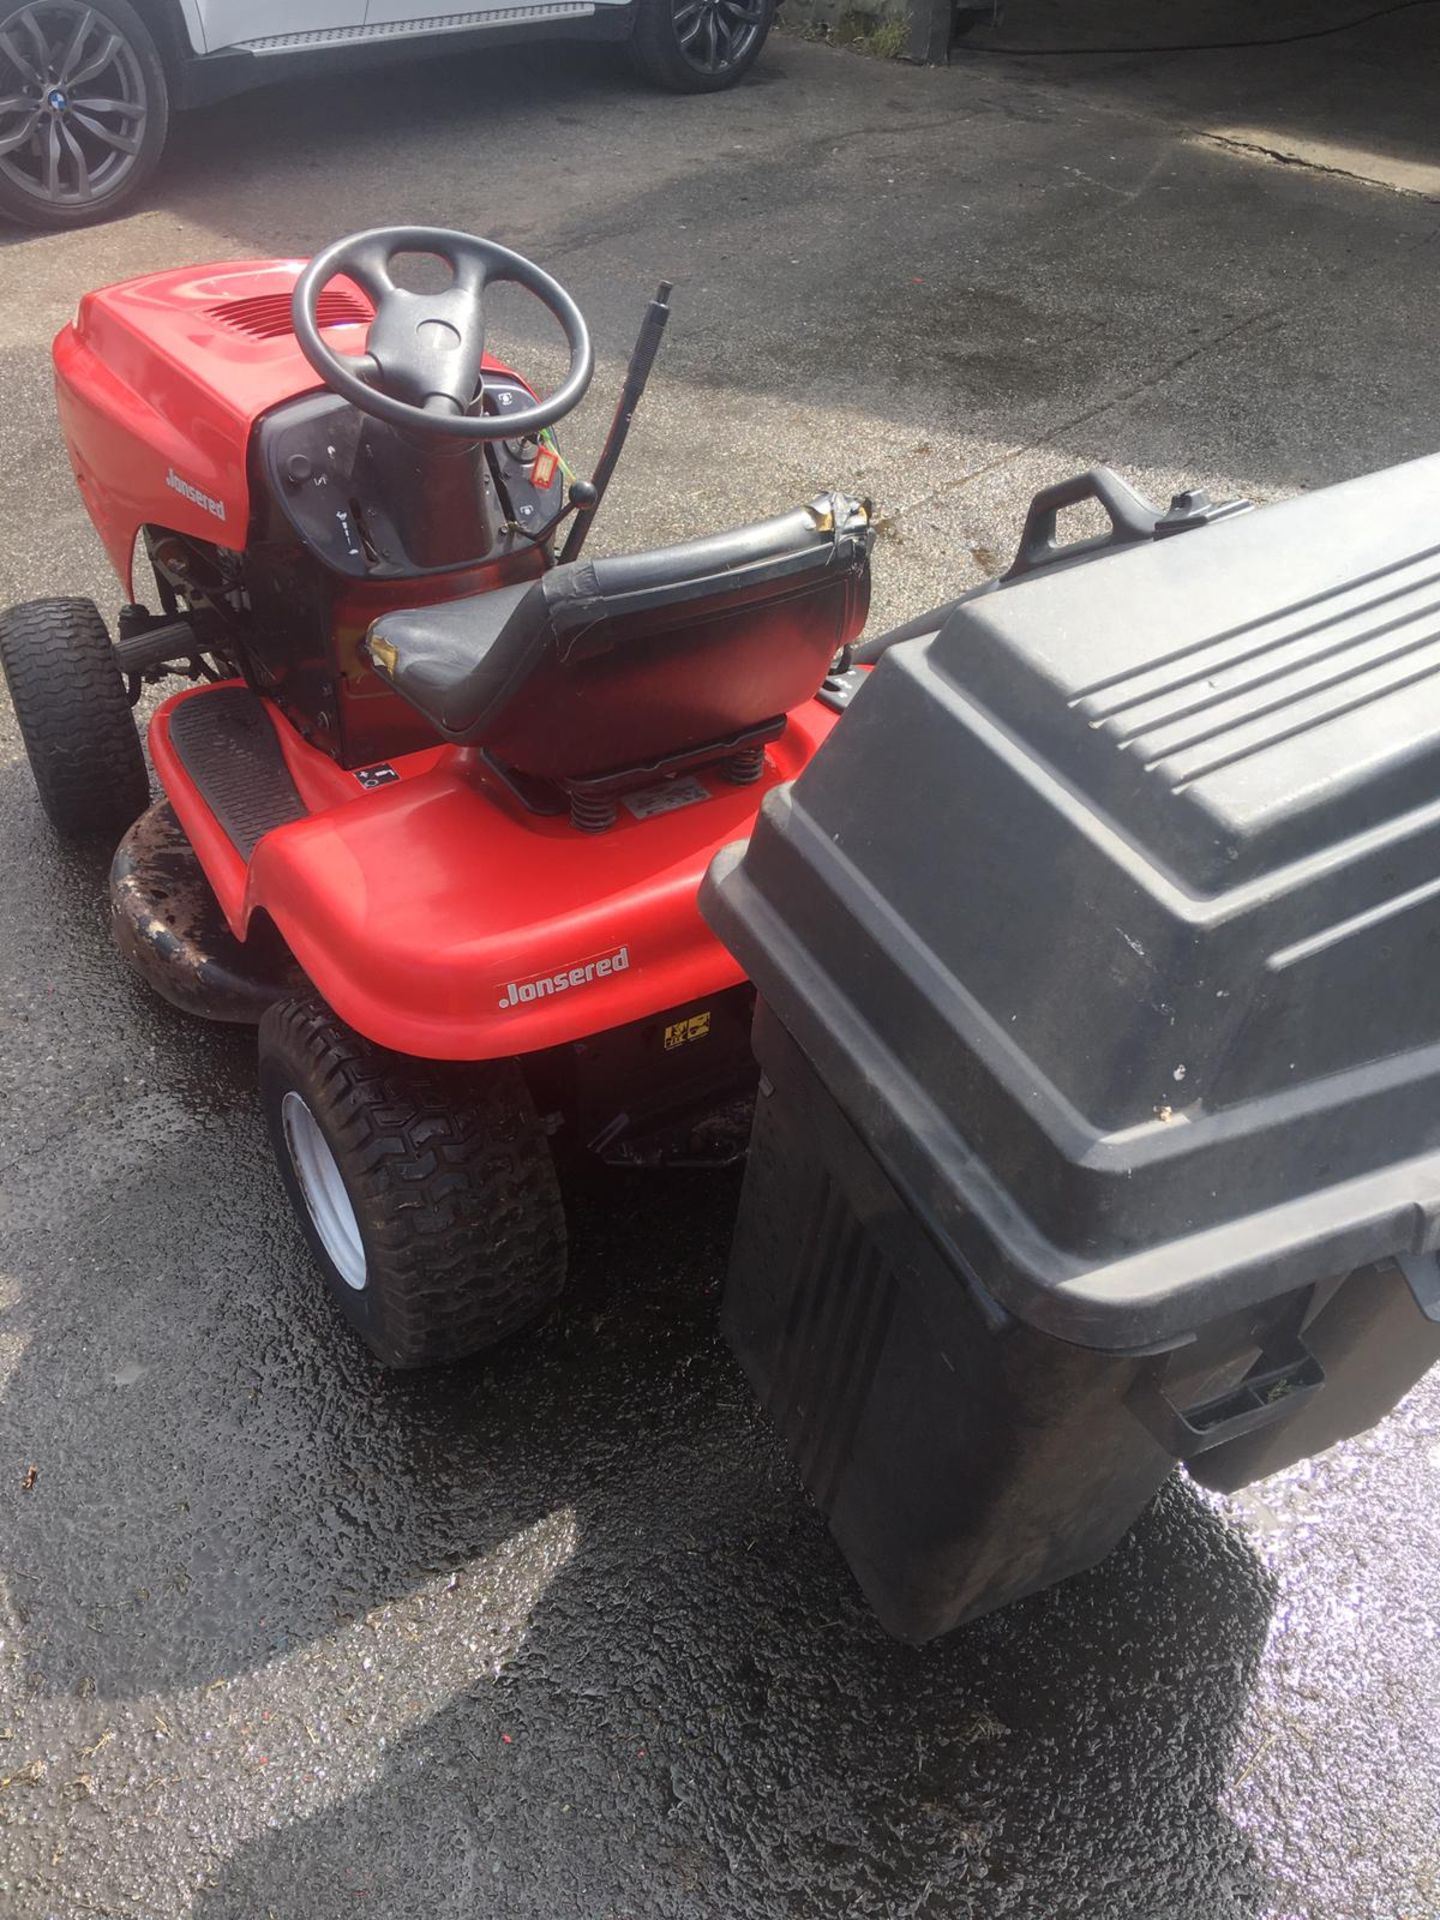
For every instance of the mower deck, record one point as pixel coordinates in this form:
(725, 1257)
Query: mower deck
(168, 925)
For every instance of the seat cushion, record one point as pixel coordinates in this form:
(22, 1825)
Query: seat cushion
(610, 663)
(451, 661)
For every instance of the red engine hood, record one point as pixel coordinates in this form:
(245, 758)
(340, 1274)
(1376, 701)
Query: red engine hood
(160, 381)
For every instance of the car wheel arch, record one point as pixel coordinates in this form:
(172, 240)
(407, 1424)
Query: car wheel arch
(170, 26)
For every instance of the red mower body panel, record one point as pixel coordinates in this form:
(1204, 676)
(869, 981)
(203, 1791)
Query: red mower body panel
(441, 919)
(160, 381)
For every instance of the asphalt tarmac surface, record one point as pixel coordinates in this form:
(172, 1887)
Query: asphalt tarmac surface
(557, 1634)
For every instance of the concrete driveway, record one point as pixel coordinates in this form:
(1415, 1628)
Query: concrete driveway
(557, 1635)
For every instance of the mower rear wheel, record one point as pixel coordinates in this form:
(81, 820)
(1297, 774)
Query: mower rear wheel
(425, 1189)
(699, 46)
(75, 718)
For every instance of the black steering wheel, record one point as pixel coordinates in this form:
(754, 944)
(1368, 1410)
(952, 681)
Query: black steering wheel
(423, 367)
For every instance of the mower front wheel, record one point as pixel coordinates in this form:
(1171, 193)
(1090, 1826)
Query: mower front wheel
(426, 1190)
(74, 717)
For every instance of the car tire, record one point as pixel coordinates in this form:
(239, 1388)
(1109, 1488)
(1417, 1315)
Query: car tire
(699, 46)
(425, 1189)
(74, 158)
(75, 718)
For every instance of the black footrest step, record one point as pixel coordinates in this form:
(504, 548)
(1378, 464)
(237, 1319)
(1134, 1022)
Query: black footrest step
(226, 743)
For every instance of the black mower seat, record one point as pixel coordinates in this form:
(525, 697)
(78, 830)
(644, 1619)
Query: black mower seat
(640, 660)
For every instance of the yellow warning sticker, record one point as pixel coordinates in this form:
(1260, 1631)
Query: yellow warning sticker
(684, 1031)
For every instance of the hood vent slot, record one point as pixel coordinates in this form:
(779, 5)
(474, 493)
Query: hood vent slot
(266, 316)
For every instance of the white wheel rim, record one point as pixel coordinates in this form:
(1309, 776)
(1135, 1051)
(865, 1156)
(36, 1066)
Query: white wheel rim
(323, 1186)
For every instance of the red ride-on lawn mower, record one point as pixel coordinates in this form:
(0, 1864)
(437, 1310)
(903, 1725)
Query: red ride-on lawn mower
(437, 811)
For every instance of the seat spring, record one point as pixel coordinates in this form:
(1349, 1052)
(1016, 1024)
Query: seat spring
(744, 768)
(591, 812)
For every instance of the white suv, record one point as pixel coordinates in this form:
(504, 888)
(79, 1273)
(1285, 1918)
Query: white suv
(87, 86)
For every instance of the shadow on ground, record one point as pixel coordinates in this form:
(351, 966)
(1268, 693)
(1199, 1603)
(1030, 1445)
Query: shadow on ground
(1064, 1758)
(940, 251)
(1351, 84)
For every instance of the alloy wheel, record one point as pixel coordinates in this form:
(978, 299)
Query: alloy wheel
(73, 104)
(716, 35)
